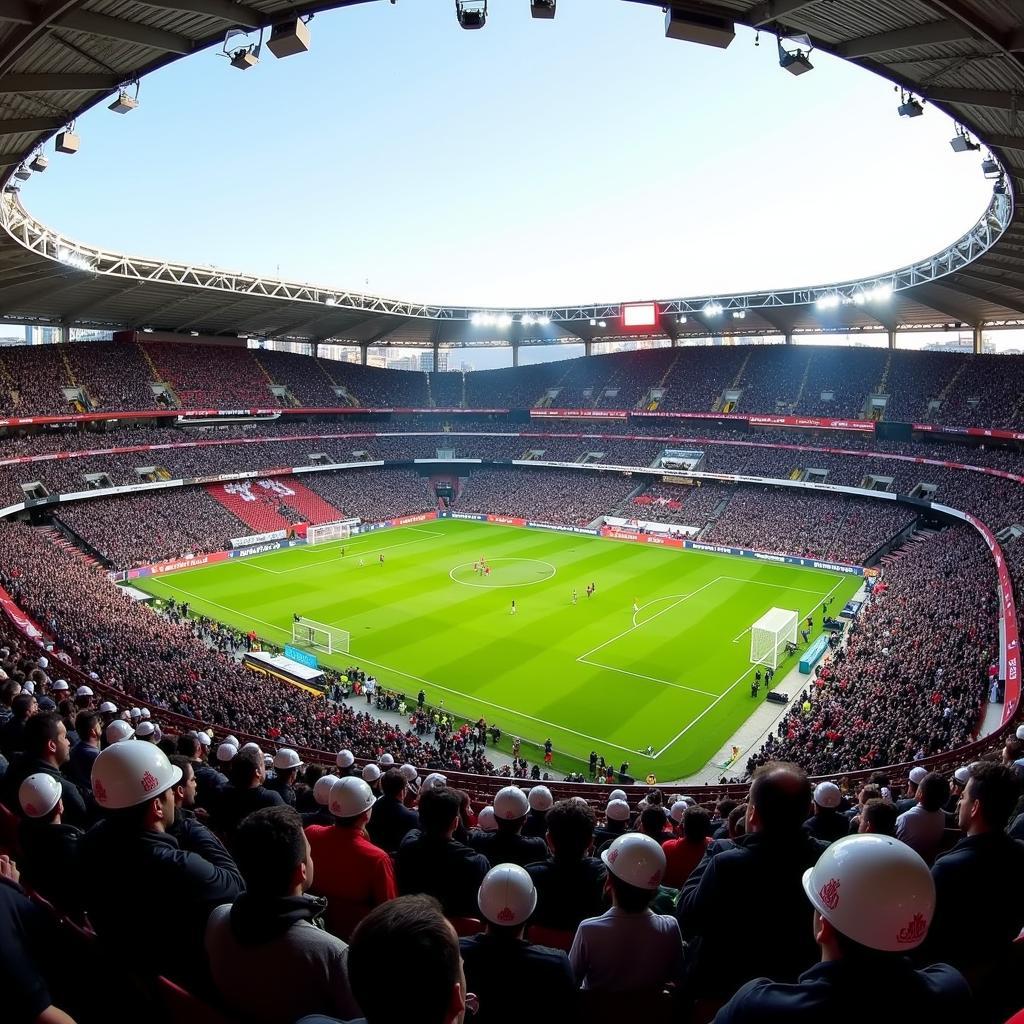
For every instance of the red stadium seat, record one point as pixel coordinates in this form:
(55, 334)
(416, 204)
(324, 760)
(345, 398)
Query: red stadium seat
(465, 926)
(554, 938)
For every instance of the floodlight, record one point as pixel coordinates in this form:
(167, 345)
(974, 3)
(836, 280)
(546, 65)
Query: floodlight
(503, 320)
(289, 38)
(244, 59)
(699, 28)
(330, 301)
(830, 301)
(11, 189)
(602, 323)
(593, 323)
(712, 309)
(542, 8)
(526, 319)
(39, 163)
(881, 293)
(739, 314)
(991, 169)
(22, 173)
(962, 142)
(910, 107)
(195, 334)
(67, 141)
(682, 320)
(471, 13)
(125, 101)
(544, 320)
(147, 330)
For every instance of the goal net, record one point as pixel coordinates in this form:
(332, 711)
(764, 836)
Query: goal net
(770, 634)
(319, 636)
(341, 530)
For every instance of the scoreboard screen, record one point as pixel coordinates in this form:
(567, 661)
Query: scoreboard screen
(640, 314)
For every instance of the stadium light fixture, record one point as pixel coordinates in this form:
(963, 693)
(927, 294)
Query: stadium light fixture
(39, 162)
(543, 320)
(739, 314)
(542, 8)
(796, 62)
(962, 142)
(593, 323)
(67, 141)
(830, 301)
(147, 330)
(602, 323)
(125, 101)
(194, 334)
(712, 309)
(23, 173)
(472, 14)
(991, 169)
(287, 38)
(241, 57)
(909, 107)
(330, 301)
(72, 258)
(682, 320)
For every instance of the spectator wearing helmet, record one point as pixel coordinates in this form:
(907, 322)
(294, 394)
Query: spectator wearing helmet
(49, 848)
(431, 861)
(978, 914)
(371, 775)
(921, 827)
(915, 777)
(827, 823)
(89, 726)
(540, 803)
(507, 901)
(351, 872)
(684, 853)
(872, 900)
(570, 883)
(627, 948)
(507, 845)
(286, 769)
(245, 792)
(12, 733)
(346, 764)
(616, 822)
(735, 892)
(132, 851)
(28, 938)
(274, 931)
(412, 932)
(391, 821)
(878, 817)
(322, 799)
(46, 750)
(209, 781)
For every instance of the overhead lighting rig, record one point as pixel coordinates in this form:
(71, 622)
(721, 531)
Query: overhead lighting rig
(23, 173)
(39, 162)
(242, 57)
(796, 61)
(472, 14)
(125, 101)
(289, 38)
(67, 141)
(542, 8)
(909, 106)
(991, 169)
(962, 142)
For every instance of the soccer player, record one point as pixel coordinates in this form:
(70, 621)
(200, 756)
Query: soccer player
(513, 609)
(361, 563)
(380, 559)
(636, 606)
(342, 552)
(573, 595)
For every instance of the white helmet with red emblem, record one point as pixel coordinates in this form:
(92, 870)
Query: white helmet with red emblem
(128, 774)
(507, 895)
(637, 860)
(874, 890)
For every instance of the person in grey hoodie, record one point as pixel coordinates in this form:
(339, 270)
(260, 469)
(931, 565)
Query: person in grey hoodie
(269, 956)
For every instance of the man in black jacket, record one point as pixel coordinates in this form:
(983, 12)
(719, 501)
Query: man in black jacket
(390, 820)
(46, 750)
(872, 903)
(570, 884)
(131, 851)
(430, 861)
(209, 781)
(734, 898)
(827, 823)
(244, 794)
(979, 899)
(507, 845)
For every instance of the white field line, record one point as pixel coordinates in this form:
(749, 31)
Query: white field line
(418, 679)
(803, 615)
(765, 583)
(640, 675)
(682, 732)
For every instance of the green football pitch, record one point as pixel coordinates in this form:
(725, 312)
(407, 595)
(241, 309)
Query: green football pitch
(673, 676)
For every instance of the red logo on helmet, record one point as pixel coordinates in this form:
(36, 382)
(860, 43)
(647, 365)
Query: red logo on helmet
(829, 893)
(613, 856)
(914, 932)
(30, 810)
(506, 916)
(149, 782)
(99, 790)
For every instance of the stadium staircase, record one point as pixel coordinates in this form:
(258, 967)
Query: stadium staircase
(803, 381)
(158, 378)
(62, 536)
(908, 547)
(950, 384)
(258, 503)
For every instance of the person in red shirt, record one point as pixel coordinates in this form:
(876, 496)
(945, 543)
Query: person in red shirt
(350, 871)
(684, 854)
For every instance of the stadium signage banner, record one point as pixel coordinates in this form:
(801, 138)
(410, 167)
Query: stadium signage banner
(462, 515)
(579, 414)
(504, 520)
(1002, 435)
(771, 556)
(560, 528)
(22, 623)
(423, 517)
(867, 426)
(257, 538)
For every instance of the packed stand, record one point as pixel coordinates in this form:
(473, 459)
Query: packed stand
(205, 377)
(306, 377)
(374, 494)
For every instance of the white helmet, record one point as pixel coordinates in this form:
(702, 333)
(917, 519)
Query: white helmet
(541, 798)
(118, 730)
(486, 820)
(617, 810)
(226, 752)
(874, 890)
(385, 761)
(287, 758)
(38, 794)
(145, 730)
(83, 691)
(204, 738)
(28, 687)
(62, 684)
(962, 775)
(435, 780)
(507, 895)
(254, 747)
(128, 774)
(371, 773)
(145, 713)
(617, 794)
(916, 775)
(828, 795)
(322, 789)
(677, 811)
(233, 740)
(510, 804)
(345, 759)
(1020, 732)
(408, 772)
(135, 713)
(637, 860)
(108, 708)
(350, 797)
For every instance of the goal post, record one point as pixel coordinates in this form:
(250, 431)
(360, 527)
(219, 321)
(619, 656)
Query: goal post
(770, 634)
(319, 636)
(325, 532)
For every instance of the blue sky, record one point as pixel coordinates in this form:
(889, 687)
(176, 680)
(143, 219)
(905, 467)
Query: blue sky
(533, 162)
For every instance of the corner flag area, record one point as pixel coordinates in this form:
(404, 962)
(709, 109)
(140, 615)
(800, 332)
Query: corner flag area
(657, 659)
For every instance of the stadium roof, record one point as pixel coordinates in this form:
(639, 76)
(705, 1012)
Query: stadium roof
(60, 57)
